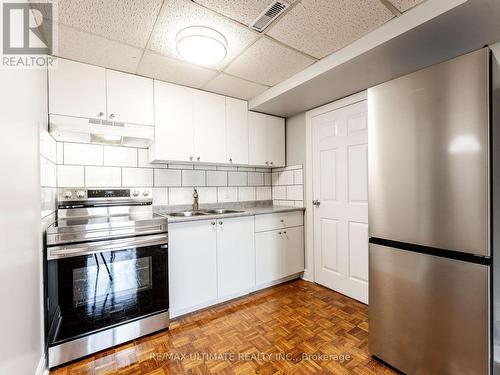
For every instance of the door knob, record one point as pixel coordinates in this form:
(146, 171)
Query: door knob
(316, 203)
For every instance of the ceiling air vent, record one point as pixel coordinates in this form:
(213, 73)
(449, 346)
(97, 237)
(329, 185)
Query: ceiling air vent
(269, 14)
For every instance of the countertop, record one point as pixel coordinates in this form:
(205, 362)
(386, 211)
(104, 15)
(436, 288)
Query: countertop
(259, 208)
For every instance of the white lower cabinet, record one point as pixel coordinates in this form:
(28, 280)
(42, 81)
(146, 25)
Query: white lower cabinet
(279, 253)
(192, 266)
(210, 261)
(235, 256)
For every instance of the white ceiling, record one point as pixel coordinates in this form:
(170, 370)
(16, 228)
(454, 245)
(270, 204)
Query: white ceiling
(138, 36)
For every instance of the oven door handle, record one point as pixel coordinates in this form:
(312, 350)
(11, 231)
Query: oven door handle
(88, 248)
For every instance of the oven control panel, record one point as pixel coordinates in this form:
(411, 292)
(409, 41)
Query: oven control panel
(76, 194)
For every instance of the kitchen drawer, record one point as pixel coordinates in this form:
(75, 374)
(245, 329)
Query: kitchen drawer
(278, 221)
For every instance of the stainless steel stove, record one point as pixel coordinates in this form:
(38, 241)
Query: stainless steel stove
(106, 271)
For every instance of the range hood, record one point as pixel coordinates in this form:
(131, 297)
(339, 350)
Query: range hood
(84, 130)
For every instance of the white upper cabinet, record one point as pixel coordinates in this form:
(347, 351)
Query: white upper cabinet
(77, 89)
(276, 141)
(89, 91)
(129, 98)
(236, 131)
(174, 129)
(209, 113)
(257, 139)
(266, 140)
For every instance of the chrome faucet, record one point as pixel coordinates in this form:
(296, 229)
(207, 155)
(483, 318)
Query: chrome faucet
(195, 200)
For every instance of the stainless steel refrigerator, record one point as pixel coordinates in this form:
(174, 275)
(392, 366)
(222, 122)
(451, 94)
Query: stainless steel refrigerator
(430, 218)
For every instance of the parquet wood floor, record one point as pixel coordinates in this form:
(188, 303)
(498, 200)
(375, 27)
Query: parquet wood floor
(294, 328)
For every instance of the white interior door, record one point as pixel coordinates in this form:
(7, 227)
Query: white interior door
(340, 185)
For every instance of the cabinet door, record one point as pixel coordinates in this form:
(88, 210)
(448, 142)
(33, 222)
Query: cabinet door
(235, 256)
(269, 256)
(129, 98)
(173, 123)
(276, 141)
(192, 266)
(236, 131)
(77, 89)
(209, 127)
(257, 139)
(294, 250)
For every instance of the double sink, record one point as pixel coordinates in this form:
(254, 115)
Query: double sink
(216, 211)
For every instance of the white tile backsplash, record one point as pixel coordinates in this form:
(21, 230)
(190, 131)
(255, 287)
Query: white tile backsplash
(103, 176)
(298, 177)
(70, 175)
(48, 172)
(180, 195)
(83, 154)
(193, 178)
(287, 186)
(227, 194)
(160, 196)
(237, 178)
(255, 179)
(263, 193)
(216, 178)
(136, 177)
(115, 156)
(294, 193)
(279, 192)
(116, 166)
(246, 194)
(167, 177)
(207, 195)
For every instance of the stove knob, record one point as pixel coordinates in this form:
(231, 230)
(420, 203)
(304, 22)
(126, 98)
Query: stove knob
(135, 193)
(68, 194)
(80, 194)
(145, 193)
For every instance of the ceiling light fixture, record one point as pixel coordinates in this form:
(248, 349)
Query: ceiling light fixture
(201, 45)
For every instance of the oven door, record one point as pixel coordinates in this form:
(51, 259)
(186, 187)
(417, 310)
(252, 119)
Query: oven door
(103, 284)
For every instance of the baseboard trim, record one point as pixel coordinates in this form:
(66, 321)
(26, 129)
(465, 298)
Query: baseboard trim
(41, 369)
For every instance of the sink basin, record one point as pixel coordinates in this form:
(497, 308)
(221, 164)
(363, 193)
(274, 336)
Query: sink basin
(221, 211)
(187, 213)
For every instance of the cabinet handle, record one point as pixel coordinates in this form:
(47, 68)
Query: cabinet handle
(285, 234)
(267, 163)
(198, 158)
(213, 223)
(220, 223)
(191, 158)
(230, 160)
(271, 163)
(283, 221)
(112, 116)
(100, 114)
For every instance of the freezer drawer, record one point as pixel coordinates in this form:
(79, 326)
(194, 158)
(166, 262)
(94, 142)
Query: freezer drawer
(428, 314)
(428, 156)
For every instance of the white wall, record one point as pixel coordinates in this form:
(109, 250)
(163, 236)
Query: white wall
(296, 140)
(22, 113)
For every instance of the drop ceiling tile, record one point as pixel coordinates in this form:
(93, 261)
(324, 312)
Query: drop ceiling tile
(171, 70)
(320, 27)
(77, 45)
(126, 21)
(242, 11)
(232, 86)
(404, 5)
(178, 14)
(268, 63)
